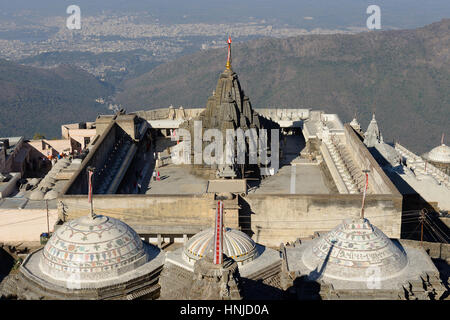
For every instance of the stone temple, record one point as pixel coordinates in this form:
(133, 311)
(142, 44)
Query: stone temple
(281, 237)
(357, 260)
(228, 108)
(92, 258)
(254, 262)
(440, 157)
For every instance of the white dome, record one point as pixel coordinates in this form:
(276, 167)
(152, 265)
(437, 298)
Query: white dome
(48, 178)
(52, 194)
(37, 195)
(236, 245)
(439, 154)
(93, 249)
(353, 251)
(34, 181)
(47, 184)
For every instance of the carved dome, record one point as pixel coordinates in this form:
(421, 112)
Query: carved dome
(93, 249)
(236, 245)
(37, 195)
(440, 154)
(353, 251)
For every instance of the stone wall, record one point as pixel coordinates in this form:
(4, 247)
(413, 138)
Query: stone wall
(6, 188)
(19, 225)
(272, 219)
(96, 158)
(434, 249)
(269, 219)
(168, 113)
(378, 180)
(152, 214)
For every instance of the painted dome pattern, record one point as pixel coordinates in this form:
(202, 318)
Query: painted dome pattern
(92, 248)
(439, 154)
(354, 250)
(236, 245)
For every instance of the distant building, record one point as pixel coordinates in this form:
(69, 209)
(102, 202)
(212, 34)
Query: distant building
(14, 155)
(439, 157)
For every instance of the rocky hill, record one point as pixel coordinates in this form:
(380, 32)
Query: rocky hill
(403, 76)
(35, 100)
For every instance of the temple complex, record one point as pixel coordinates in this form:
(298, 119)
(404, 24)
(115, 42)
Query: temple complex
(92, 257)
(228, 108)
(289, 227)
(439, 157)
(251, 261)
(356, 260)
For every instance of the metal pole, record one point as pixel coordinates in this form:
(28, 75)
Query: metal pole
(364, 193)
(48, 224)
(422, 220)
(90, 171)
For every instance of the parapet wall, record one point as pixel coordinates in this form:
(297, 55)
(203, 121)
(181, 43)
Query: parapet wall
(378, 181)
(281, 218)
(96, 157)
(153, 213)
(167, 113)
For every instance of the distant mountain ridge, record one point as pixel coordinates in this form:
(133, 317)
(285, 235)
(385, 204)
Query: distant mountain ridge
(403, 76)
(41, 100)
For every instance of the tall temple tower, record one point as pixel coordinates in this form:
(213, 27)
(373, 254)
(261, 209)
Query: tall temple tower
(227, 108)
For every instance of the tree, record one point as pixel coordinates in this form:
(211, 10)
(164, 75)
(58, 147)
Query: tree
(38, 136)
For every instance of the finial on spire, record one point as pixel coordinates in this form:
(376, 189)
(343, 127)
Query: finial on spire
(90, 171)
(228, 66)
(442, 139)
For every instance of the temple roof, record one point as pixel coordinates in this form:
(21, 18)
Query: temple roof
(236, 245)
(93, 248)
(353, 251)
(439, 154)
(372, 134)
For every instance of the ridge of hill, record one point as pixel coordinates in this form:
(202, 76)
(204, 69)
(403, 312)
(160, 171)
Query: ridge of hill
(401, 75)
(36, 100)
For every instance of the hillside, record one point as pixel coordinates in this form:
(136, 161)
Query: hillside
(404, 76)
(41, 100)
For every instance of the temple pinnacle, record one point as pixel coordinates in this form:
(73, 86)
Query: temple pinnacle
(228, 66)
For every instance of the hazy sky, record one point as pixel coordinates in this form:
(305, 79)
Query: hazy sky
(324, 13)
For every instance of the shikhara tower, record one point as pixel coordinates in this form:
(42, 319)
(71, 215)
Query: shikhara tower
(227, 108)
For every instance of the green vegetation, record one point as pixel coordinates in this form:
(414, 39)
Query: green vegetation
(41, 100)
(403, 76)
(38, 136)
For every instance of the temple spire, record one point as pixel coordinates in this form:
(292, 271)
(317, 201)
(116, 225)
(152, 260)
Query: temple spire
(228, 66)
(442, 139)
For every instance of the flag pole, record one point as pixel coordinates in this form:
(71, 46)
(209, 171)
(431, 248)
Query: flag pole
(364, 193)
(90, 171)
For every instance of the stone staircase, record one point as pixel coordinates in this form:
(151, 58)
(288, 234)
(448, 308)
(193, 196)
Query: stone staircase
(428, 287)
(348, 170)
(112, 164)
